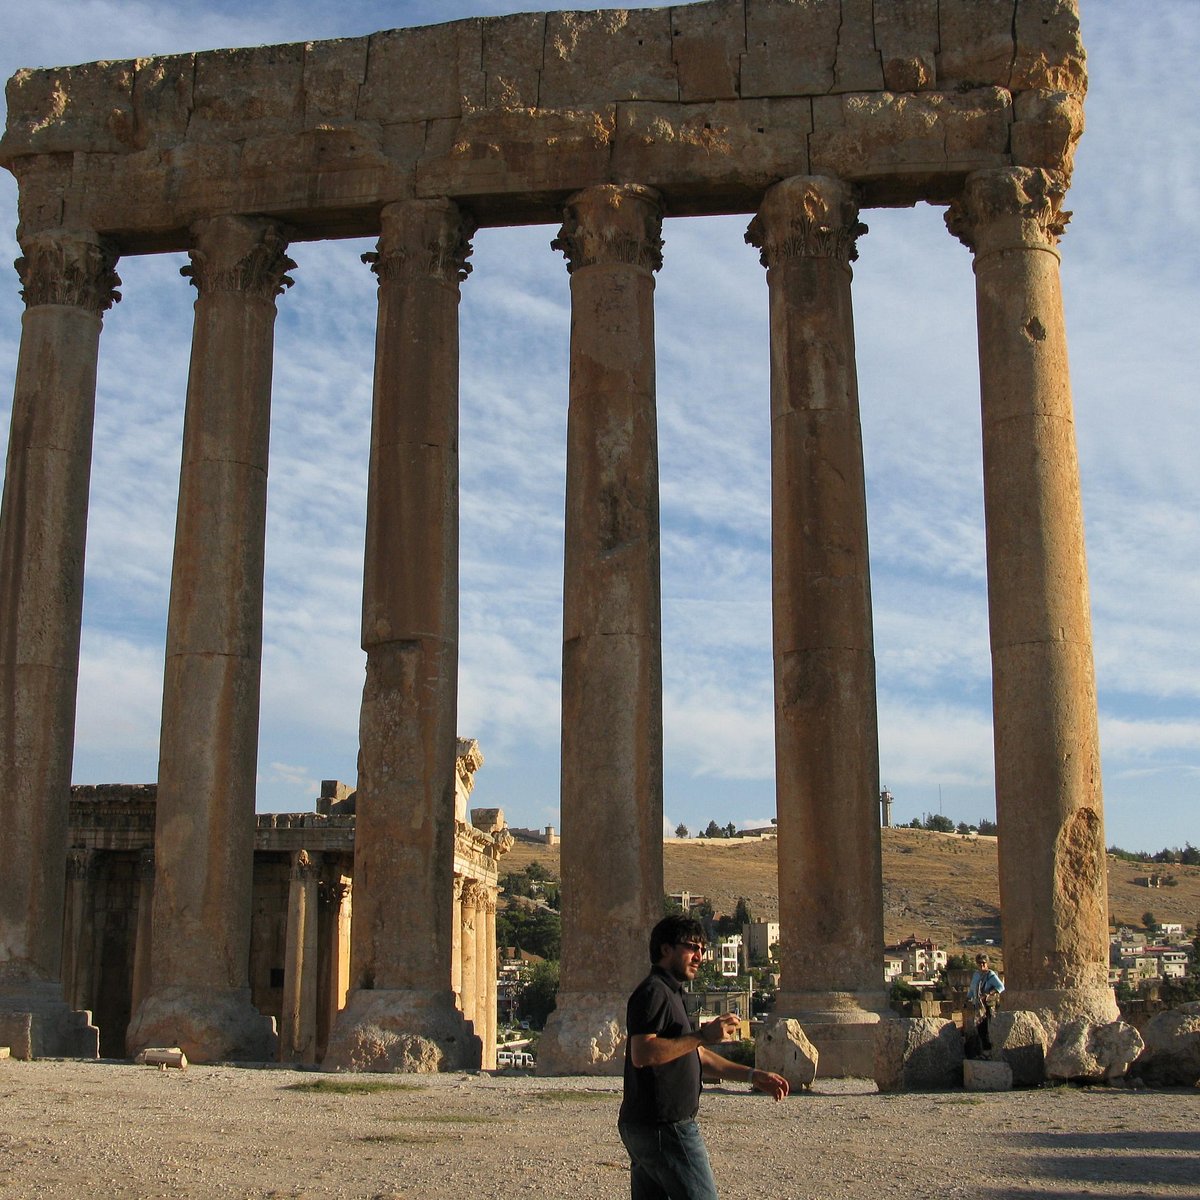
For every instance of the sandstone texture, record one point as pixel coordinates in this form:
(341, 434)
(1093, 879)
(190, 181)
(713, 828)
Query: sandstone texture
(983, 1075)
(918, 1054)
(706, 102)
(785, 1049)
(1172, 1048)
(1089, 1052)
(1021, 1039)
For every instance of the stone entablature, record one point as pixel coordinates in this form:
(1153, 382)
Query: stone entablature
(707, 103)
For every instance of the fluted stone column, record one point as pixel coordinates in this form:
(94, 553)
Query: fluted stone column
(144, 935)
(471, 898)
(334, 955)
(68, 282)
(1053, 887)
(208, 753)
(826, 739)
(298, 1031)
(401, 940)
(489, 982)
(456, 929)
(612, 654)
(79, 928)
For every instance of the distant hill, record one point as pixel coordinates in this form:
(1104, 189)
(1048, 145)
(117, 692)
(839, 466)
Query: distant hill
(936, 885)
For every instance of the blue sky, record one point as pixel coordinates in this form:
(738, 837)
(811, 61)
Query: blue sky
(1132, 294)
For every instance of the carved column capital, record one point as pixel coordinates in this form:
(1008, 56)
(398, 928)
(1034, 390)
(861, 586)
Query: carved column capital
(474, 894)
(239, 254)
(612, 223)
(75, 269)
(305, 866)
(423, 238)
(487, 903)
(807, 216)
(1010, 208)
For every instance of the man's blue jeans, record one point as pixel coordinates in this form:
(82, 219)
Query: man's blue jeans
(668, 1162)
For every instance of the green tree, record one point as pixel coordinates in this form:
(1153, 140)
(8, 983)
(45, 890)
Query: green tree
(987, 828)
(712, 830)
(741, 913)
(938, 823)
(681, 830)
(730, 830)
(540, 994)
(534, 930)
(963, 828)
(1149, 921)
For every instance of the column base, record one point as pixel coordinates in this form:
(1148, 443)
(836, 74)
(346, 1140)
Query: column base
(585, 1035)
(1054, 1006)
(841, 1025)
(36, 1022)
(408, 1031)
(207, 1024)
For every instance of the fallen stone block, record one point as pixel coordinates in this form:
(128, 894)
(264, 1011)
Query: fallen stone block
(983, 1075)
(16, 1032)
(1021, 1040)
(161, 1057)
(5, 1052)
(1171, 1057)
(785, 1049)
(917, 1054)
(1092, 1053)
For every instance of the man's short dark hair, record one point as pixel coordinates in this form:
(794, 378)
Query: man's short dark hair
(672, 930)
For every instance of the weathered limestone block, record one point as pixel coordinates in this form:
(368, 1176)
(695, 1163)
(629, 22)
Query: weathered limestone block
(333, 75)
(512, 60)
(242, 92)
(881, 132)
(418, 74)
(976, 43)
(61, 110)
(1049, 53)
(980, 1075)
(595, 58)
(16, 1034)
(1046, 128)
(917, 1054)
(1021, 1040)
(906, 32)
(48, 1028)
(5, 1052)
(325, 152)
(785, 1049)
(1087, 1051)
(162, 99)
(524, 150)
(858, 67)
(217, 1025)
(791, 50)
(161, 1056)
(1171, 1057)
(707, 41)
(389, 1030)
(711, 146)
(584, 1037)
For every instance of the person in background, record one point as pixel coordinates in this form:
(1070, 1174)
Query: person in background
(984, 993)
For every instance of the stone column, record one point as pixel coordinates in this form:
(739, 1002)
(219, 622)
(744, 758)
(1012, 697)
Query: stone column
(68, 282)
(334, 956)
(78, 928)
(612, 654)
(1053, 887)
(144, 934)
(404, 842)
(826, 739)
(456, 928)
(208, 753)
(298, 1032)
(471, 898)
(488, 995)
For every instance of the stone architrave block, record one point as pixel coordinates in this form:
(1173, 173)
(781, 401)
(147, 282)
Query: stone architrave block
(162, 99)
(1049, 52)
(1021, 1040)
(906, 32)
(791, 50)
(595, 58)
(917, 1054)
(63, 110)
(858, 67)
(418, 74)
(512, 60)
(1046, 128)
(1086, 1051)
(710, 146)
(707, 41)
(976, 43)
(333, 74)
(784, 1049)
(984, 1075)
(247, 93)
(1171, 1057)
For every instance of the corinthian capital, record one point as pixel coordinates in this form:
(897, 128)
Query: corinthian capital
(423, 238)
(807, 216)
(1009, 208)
(612, 223)
(75, 269)
(239, 254)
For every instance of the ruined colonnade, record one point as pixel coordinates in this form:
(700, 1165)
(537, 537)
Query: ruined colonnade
(1007, 147)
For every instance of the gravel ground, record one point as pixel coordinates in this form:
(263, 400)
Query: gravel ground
(86, 1129)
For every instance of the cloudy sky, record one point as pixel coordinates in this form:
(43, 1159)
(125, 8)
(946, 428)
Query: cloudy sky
(1132, 296)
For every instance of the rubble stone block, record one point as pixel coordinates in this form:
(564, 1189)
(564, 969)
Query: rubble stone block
(512, 60)
(1084, 1050)
(1021, 1040)
(976, 41)
(1049, 53)
(906, 33)
(599, 57)
(707, 42)
(983, 1075)
(785, 1049)
(1171, 1057)
(791, 50)
(919, 1053)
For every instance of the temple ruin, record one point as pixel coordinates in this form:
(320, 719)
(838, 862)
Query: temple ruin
(799, 115)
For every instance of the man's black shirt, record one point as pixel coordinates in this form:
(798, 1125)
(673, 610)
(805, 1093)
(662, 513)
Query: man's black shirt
(670, 1092)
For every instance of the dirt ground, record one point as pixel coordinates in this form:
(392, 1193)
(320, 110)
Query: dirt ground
(87, 1129)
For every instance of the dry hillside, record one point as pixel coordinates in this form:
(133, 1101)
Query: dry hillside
(934, 884)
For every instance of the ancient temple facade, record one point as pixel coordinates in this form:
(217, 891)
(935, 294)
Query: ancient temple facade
(801, 117)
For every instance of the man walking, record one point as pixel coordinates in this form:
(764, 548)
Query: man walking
(664, 1058)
